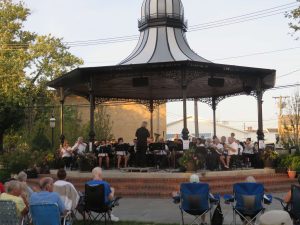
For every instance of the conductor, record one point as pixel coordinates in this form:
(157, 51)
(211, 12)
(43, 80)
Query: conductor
(141, 134)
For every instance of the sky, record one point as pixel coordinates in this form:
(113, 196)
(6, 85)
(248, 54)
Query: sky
(81, 20)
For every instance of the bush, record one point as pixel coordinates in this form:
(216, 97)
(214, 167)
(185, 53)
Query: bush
(295, 165)
(19, 160)
(4, 175)
(285, 161)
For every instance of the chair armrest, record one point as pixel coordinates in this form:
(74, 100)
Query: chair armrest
(115, 201)
(228, 198)
(214, 198)
(268, 198)
(283, 204)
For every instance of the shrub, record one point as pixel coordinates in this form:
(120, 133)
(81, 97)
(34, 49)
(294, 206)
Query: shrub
(295, 165)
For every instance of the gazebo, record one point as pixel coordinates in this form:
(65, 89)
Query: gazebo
(163, 68)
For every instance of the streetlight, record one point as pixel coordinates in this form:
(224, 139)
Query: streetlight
(52, 125)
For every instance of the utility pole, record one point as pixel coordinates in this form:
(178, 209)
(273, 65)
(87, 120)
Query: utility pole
(280, 100)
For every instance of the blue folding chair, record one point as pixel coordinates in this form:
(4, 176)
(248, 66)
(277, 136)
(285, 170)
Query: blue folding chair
(195, 200)
(48, 214)
(248, 199)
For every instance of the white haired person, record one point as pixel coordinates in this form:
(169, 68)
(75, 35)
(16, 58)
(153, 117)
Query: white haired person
(79, 147)
(194, 178)
(13, 193)
(22, 177)
(109, 192)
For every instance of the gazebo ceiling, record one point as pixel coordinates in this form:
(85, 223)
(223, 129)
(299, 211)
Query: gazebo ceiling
(164, 81)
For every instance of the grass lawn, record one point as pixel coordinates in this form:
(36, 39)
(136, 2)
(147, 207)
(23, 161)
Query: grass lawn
(126, 223)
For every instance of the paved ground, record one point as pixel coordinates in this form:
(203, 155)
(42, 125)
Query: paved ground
(165, 211)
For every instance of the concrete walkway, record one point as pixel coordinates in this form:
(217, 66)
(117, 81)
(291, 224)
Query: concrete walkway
(165, 211)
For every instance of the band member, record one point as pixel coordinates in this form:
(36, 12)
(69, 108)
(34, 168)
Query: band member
(121, 152)
(103, 150)
(79, 147)
(66, 154)
(132, 153)
(232, 149)
(142, 134)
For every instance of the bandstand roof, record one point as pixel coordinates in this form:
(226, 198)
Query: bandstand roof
(164, 81)
(163, 64)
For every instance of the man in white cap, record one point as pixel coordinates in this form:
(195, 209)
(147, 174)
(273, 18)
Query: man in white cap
(275, 217)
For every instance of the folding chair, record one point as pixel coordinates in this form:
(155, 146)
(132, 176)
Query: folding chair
(69, 196)
(94, 202)
(293, 208)
(8, 213)
(195, 200)
(48, 214)
(248, 198)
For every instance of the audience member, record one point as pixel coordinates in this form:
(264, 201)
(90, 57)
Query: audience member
(13, 193)
(47, 195)
(109, 191)
(22, 177)
(2, 190)
(66, 190)
(288, 196)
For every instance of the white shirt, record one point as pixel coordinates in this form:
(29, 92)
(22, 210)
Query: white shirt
(248, 149)
(66, 152)
(80, 147)
(235, 146)
(67, 200)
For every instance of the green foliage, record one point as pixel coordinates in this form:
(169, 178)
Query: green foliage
(285, 161)
(295, 164)
(87, 161)
(4, 175)
(269, 154)
(294, 15)
(40, 141)
(103, 125)
(27, 62)
(189, 156)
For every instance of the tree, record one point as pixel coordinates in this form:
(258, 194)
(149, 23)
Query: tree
(28, 61)
(291, 122)
(294, 15)
(11, 116)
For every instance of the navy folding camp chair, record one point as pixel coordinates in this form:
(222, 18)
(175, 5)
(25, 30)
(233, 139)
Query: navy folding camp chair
(293, 207)
(8, 213)
(195, 200)
(247, 201)
(48, 214)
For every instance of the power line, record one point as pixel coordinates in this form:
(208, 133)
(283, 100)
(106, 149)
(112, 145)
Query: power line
(287, 74)
(208, 25)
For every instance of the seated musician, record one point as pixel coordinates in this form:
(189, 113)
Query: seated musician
(232, 149)
(121, 152)
(132, 153)
(103, 150)
(66, 154)
(216, 151)
(79, 147)
(161, 153)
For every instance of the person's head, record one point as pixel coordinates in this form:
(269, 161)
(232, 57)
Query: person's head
(250, 179)
(208, 141)
(216, 141)
(97, 143)
(120, 140)
(103, 142)
(194, 140)
(97, 173)
(223, 139)
(161, 140)
(256, 145)
(232, 135)
(80, 139)
(144, 124)
(13, 187)
(61, 174)
(46, 184)
(22, 176)
(230, 140)
(194, 178)
(66, 143)
(248, 140)
(198, 141)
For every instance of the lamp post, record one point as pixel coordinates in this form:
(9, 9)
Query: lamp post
(52, 125)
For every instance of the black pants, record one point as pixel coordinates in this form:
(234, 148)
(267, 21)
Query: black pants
(67, 161)
(141, 156)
